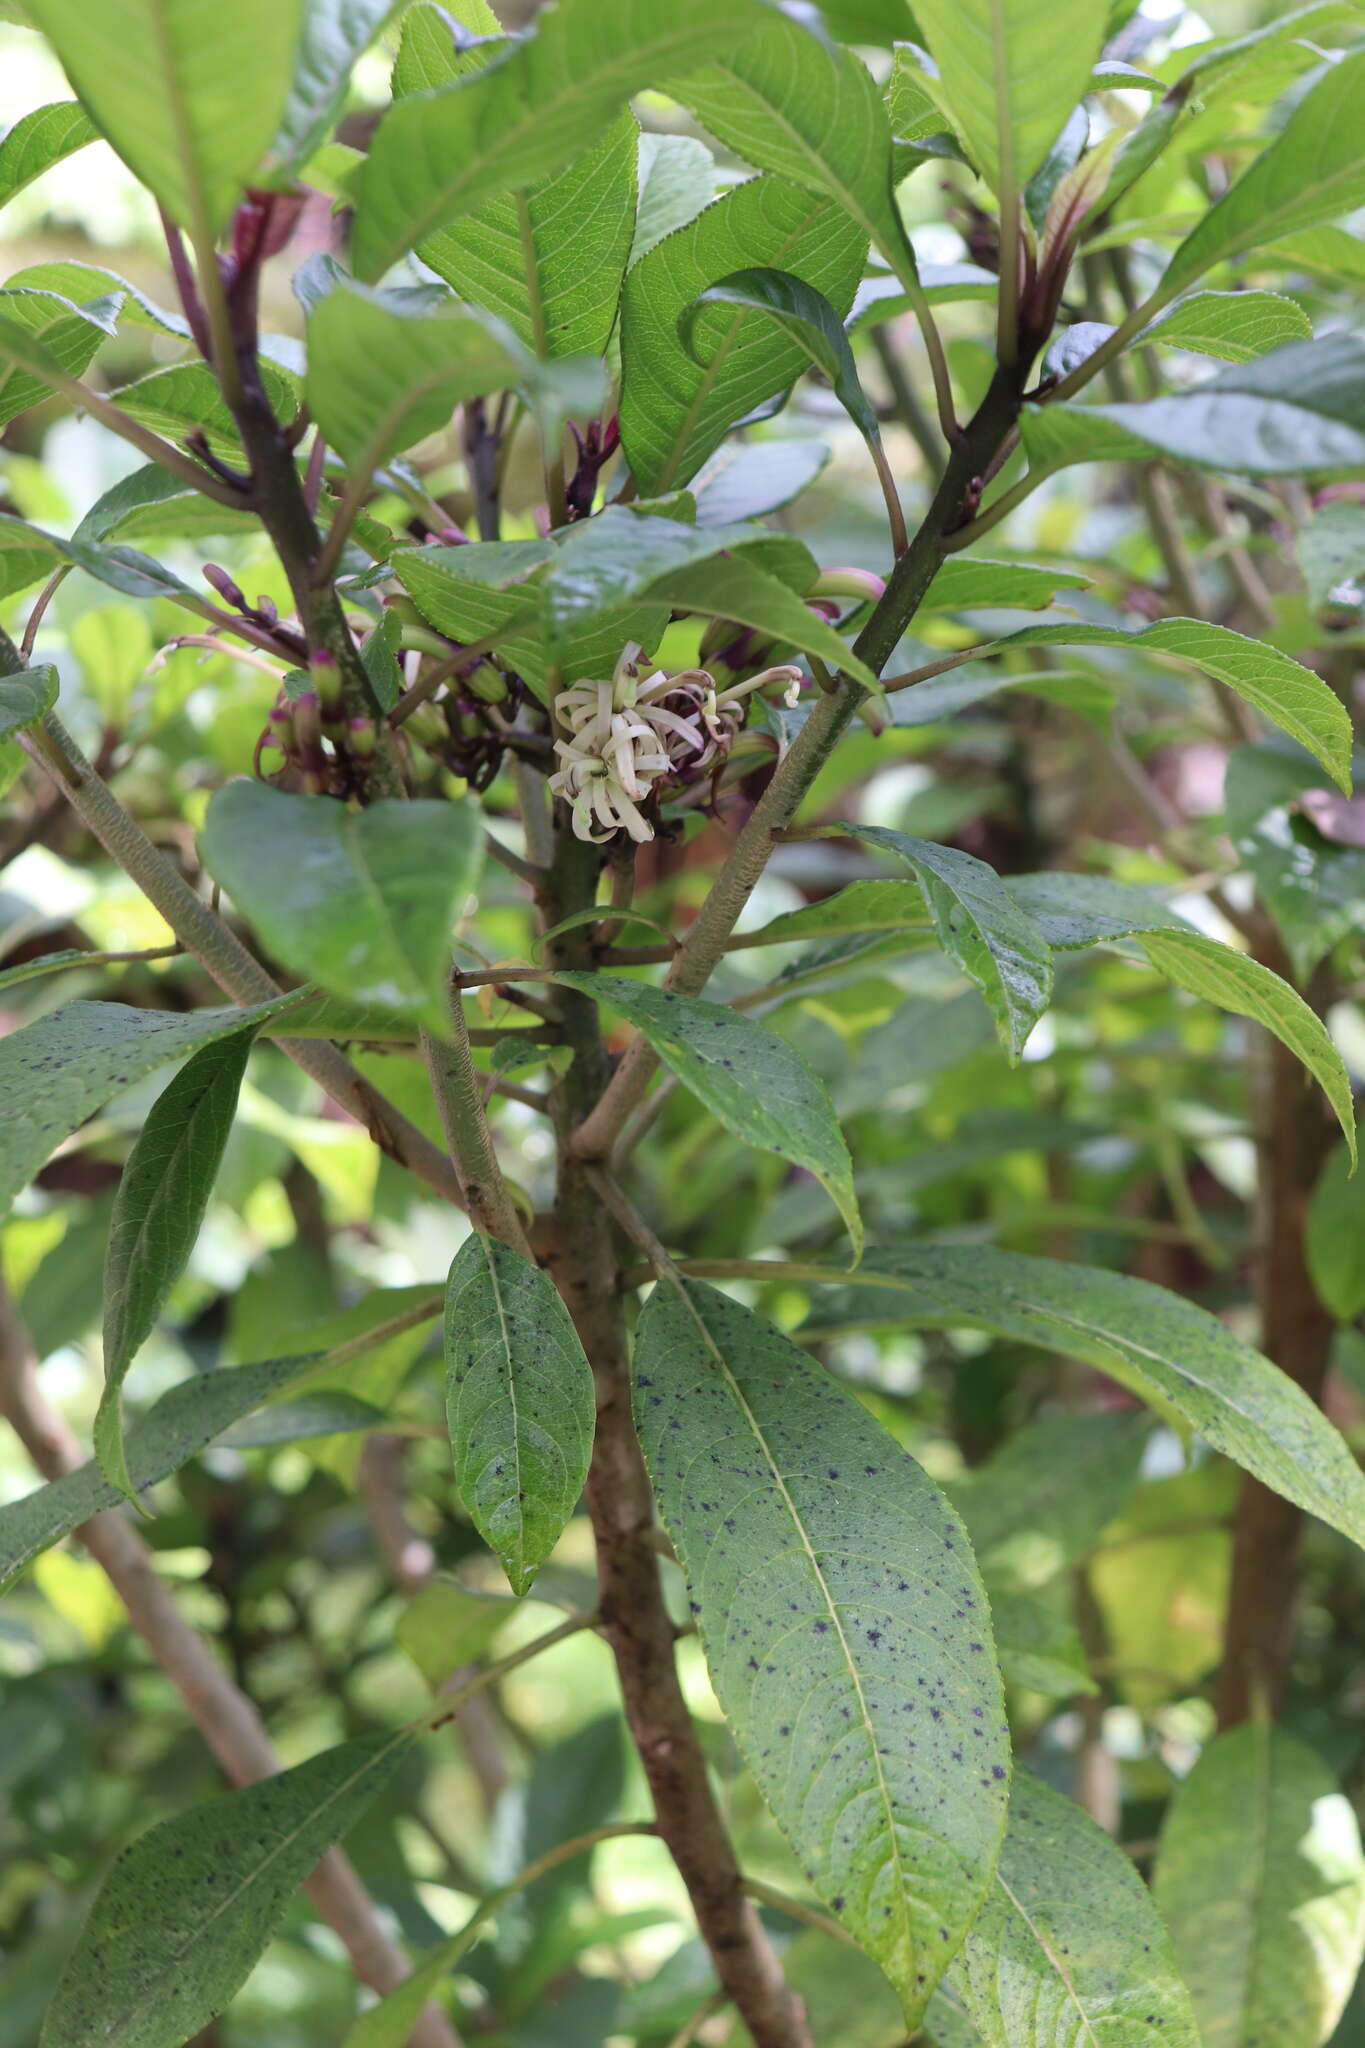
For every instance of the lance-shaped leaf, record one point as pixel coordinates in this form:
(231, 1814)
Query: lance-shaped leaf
(25, 697)
(187, 399)
(174, 1430)
(39, 140)
(185, 1913)
(969, 583)
(385, 370)
(1335, 1239)
(41, 328)
(1313, 172)
(189, 96)
(28, 553)
(677, 407)
(980, 926)
(362, 902)
(57, 1072)
(806, 317)
(335, 35)
(1068, 1946)
(162, 1195)
(1073, 911)
(1162, 1347)
(1010, 73)
(753, 1081)
(1299, 411)
(1262, 1883)
(439, 154)
(1234, 326)
(844, 1622)
(519, 1401)
(1281, 689)
(1236, 982)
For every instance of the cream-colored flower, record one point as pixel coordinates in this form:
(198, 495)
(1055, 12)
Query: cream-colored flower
(628, 738)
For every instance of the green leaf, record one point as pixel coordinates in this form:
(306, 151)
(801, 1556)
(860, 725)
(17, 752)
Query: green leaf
(677, 179)
(447, 1625)
(83, 283)
(184, 1914)
(1151, 1341)
(519, 1400)
(806, 317)
(969, 583)
(39, 140)
(186, 399)
(1313, 172)
(1331, 547)
(549, 261)
(520, 118)
(151, 503)
(335, 35)
(26, 697)
(57, 1072)
(1298, 411)
(430, 53)
(1335, 1241)
(1234, 326)
(753, 1081)
(1068, 1946)
(1281, 689)
(746, 480)
(1038, 1649)
(292, 1422)
(1238, 983)
(187, 96)
(861, 1687)
(1313, 888)
(159, 1206)
(1011, 73)
(676, 409)
(980, 926)
(38, 329)
(1025, 1529)
(172, 1432)
(861, 907)
(1088, 910)
(1261, 1881)
(362, 902)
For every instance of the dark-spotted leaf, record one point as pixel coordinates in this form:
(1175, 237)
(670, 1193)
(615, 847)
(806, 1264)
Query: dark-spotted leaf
(1069, 1946)
(519, 1401)
(845, 1626)
(362, 902)
(185, 1913)
(1262, 1883)
(162, 1195)
(980, 926)
(1162, 1347)
(753, 1081)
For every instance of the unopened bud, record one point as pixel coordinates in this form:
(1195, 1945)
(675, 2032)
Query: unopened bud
(267, 609)
(361, 738)
(486, 684)
(218, 579)
(282, 727)
(322, 667)
(427, 727)
(859, 583)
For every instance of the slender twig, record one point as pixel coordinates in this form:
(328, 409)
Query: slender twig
(41, 603)
(440, 672)
(797, 1909)
(150, 444)
(692, 2026)
(458, 1098)
(905, 402)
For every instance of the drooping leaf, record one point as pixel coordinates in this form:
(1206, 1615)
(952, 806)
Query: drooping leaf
(184, 1914)
(1234, 981)
(519, 1399)
(753, 1081)
(189, 97)
(159, 1206)
(150, 503)
(980, 926)
(1335, 1240)
(845, 1626)
(172, 1432)
(1011, 73)
(1234, 326)
(25, 697)
(677, 407)
(1298, 411)
(364, 903)
(57, 1072)
(39, 140)
(1313, 172)
(1068, 1946)
(549, 261)
(1143, 1336)
(1261, 1881)
(518, 119)
(335, 35)
(1088, 910)
(42, 327)
(384, 372)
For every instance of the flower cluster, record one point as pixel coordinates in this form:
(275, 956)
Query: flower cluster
(631, 740)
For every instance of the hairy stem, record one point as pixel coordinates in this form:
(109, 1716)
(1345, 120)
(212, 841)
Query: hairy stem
(456, 1088)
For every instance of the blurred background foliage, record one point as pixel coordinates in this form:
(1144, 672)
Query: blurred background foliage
(332, 1571)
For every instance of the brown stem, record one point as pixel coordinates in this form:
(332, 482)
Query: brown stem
(582, 1256)
(225, 1717)
(1294, 1138)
